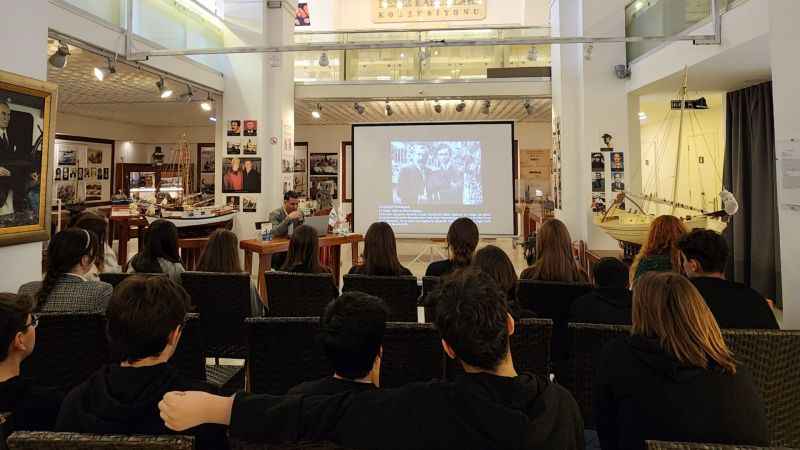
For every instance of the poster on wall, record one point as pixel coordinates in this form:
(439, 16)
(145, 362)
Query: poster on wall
(241, 175)
(323, 184)
(234, 202)
(598, 182)
(300, 183)
(249, 204)
(556, 162)
(287, 181)
(87, 162)
(397, 11)
(617, 162)
(249, 147)
(323, 164)
(598, 162)
(617, 181)
(302, 16)
(250, 128)
(300, 156)
(234, 147)
(235, 128)
(599, 202)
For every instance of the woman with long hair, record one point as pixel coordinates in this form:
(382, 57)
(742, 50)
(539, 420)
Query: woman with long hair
(660, 253)
(674, 378)
(65, 288)
(107, 260)
(555, 261)
(493, 261)
(221, 255)
(462, 240)
(303, 253)
(160, 254)
(380, 253)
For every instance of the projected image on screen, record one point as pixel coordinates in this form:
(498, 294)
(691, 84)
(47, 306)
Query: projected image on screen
(436, 173)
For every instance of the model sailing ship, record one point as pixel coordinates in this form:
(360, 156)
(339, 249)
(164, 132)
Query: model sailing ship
(631, 227)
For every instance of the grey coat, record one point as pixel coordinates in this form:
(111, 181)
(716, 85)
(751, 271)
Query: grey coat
(280, 222)
(72, 294)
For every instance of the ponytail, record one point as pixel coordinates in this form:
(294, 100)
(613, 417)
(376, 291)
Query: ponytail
(63, 253)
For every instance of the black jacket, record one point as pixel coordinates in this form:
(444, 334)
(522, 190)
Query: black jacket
(735, 305)
(329, 386)
(362, 270)
(478, 411)
(33, 408)
(124, 400)
(603, 305)
(643, 393)
(440, 268)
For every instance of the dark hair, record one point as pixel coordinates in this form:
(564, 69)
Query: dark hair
(221, 253)
(494, 262)
(706, 247)
(462, 239)
(161, 241)
(63, 253)
(290, 194)
(610, 272)
(471, 316)
(554, 252)
(14, 312)
(96, 224)
(141, 315)
(303, 253)
(352, 329)
(380, 251)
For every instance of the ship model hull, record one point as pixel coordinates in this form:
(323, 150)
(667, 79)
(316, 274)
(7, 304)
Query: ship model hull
(633, 228)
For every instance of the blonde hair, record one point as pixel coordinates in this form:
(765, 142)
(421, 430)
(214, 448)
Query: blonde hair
(554, 255)
(667, 307)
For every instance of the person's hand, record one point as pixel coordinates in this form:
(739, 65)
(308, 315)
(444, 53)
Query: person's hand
(4, 172)
(295, 215)
(183, 410)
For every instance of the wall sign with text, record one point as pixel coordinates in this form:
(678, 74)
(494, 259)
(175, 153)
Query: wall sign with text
(388, 11)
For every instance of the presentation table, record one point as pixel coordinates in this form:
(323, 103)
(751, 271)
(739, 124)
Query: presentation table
(265, 250)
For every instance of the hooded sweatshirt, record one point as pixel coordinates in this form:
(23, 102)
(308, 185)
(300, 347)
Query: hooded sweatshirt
(124, 400)
(478, 411)
(606, 305)
(641, 392)
(32, 408)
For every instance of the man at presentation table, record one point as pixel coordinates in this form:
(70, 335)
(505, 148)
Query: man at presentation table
(283, 221)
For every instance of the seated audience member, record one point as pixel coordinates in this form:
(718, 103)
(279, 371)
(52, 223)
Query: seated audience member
(221, 255)
(462, 239)
(303, 255)
(490, 407)
(145, 320)
(660, 253)
(107, 261)
(674, 378)
(380, 253)
(554, 256)
(734, 305)
(65, 288)
(160, 254)
(611, 301)
(493, 261)
(32, 408)
(352, 329)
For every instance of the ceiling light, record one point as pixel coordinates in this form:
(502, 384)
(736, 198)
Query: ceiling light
(461, 106)
(533, 54)
(316, 113)
(528, 107)
(188, 96)
(323, 60)
(213, 119)
(638, 5)
(102, 72)
(163, 90)
(642, 116)
(359, 109)
(389, 111)
(437, 107)
(208, 104)
(60, 58)
(487, 107)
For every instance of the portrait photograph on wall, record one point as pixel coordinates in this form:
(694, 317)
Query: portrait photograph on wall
(241, 175)
(302, 16)
(27, 124)
(235, 128)
(251, 128)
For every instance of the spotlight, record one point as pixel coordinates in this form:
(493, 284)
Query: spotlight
(437, 107)
(533, 54)
(316, 113)
(528, 107)
(461, 106)
(323, 60)
(359, 109)
(212, 119)
(187, 96)
(208, 104)
(60, 58)
(487, 107)
(102, 72)
(389, 111)
(163, 90)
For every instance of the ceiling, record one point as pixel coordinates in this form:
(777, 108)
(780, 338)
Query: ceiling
(341, 113)
(128, 96)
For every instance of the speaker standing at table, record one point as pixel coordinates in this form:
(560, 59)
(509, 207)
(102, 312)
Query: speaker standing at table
(283, 221)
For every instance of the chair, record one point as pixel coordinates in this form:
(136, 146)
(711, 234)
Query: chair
(551, 300)
(530, 349)
(69, 348)
(659, 445)
(399, 293)
(577, 372)
(298, 294)
(46, 440)
(773, 360)
(411, 352)
(189, 358)
(236, 444)
(5, 418)
(114, 279)
(283, 352)
(429, 284)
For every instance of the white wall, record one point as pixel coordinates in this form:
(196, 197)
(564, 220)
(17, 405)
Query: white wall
(25, 53)
(534, 135)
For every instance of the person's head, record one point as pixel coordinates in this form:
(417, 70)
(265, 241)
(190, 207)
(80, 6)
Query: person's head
(221, 253)
(443, 155)
(5, 114)
(462, 239)
(380, 250)
(616, 157)
(73, 250)
(162, 241)
(145, 317)
(494, 262)
(291, 200)
(662, 239)
(473, 320)
(96, 224)
(248, 165)
(235, 162)
(351, 331)
(417, 154)
(250, 125)
(610, 273)
(554, 253)
(17, 327)
(303, 250)
(667, 307)
(704, 252)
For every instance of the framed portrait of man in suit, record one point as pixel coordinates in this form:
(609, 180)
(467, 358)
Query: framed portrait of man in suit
(27, 133)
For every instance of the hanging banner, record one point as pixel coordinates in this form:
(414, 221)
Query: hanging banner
(396, 11)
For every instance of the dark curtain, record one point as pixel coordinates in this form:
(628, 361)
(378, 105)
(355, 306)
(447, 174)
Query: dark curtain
(751, 175)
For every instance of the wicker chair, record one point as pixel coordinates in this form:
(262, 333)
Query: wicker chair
(299, 294)
(659, 445)
(45, 440)
(576, 374)
(114, 279)
(429, 284)
(552, 301)
(773, 359)
(69, 348)
(399, 293)
(242, 445)
(411, 352)
(189, 358)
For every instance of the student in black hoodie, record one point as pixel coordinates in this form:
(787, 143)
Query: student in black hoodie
(674, 378)
(145, 318)
(352, 329)
(610, 301)
(33, 408)
(491, 407)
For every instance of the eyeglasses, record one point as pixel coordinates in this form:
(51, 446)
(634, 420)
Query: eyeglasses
(34, 323)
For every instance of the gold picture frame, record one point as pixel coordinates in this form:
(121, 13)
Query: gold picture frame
(27, 137)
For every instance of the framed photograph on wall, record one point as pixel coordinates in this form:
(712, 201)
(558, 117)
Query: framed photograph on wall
(206, 167)
(241, 175)
(92, 158)
(323, 164)
(27, 117)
